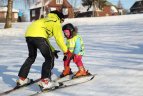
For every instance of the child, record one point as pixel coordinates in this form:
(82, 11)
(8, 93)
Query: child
(75, 45)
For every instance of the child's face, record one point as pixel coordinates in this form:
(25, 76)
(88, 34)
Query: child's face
(67, 33)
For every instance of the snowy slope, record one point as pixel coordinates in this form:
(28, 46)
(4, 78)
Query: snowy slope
(114, 51)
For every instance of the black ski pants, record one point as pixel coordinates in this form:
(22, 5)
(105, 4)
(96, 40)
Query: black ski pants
(33, 44)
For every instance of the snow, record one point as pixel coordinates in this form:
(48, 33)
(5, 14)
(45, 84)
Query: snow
(4, 9)
(114, 51)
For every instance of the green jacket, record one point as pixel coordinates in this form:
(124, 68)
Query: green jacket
(75, 45)
(46, 28)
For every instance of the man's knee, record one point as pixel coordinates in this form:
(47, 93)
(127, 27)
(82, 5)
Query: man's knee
(32, 59)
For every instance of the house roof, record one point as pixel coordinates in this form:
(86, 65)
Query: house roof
(114, 9)
(49, 3)
(65, 4)
(137, 4)
(108, 3)
(4, 9)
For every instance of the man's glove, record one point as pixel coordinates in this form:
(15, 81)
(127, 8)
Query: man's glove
(68, 55)
(56, 53)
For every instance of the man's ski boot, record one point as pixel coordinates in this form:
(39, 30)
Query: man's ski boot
(46, 83)
(23, 81)
(66, 71)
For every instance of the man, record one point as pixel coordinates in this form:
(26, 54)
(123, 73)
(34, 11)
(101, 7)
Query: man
(37, 36)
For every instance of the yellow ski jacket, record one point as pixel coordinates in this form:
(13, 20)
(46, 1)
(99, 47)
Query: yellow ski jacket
(46, 28)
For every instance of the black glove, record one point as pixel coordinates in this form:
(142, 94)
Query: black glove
(65, 58)
(56, 53)
(72, 57)
(68, 55)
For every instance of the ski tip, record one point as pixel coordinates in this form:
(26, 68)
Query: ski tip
(92, 77)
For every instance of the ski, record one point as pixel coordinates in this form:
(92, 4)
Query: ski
(67, 83)
(62, 79)
(32, 82)
(19, 87)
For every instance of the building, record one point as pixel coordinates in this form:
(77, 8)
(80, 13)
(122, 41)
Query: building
(121, 10)
(137, 7)
(108, 10)
(3, 12)
(37, 11)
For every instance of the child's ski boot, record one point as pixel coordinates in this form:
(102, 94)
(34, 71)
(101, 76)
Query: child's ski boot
(81, 72)
(66, 71)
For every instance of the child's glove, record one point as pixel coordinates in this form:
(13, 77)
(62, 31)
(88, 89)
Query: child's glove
(56, 53)
(68, 55)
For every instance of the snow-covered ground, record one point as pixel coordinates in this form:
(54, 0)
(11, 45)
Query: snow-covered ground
(114, 51)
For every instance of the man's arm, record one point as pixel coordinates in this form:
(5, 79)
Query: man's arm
(58, 35)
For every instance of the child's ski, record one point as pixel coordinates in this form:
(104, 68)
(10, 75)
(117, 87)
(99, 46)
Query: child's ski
(67, 83)
(19, 87)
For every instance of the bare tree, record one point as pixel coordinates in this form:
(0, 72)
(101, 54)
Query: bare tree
(29, 2)
(2, 4)
(91, 3)
(94, 12)
(87, 3)
(95, 3)
(8, 23)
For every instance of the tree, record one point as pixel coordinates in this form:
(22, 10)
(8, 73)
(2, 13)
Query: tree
(87, 3)
(3, 2)
(8, 23)
(102, 3)
(97, 4)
